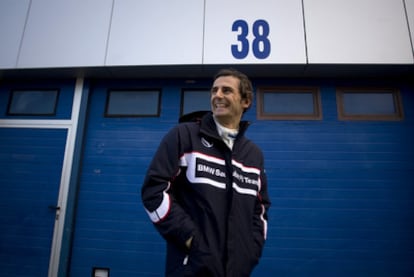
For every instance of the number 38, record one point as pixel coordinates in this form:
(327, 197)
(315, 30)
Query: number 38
(260, 43)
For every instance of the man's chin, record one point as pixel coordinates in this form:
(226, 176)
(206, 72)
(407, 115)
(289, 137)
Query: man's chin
(222, 117)
(219, 114)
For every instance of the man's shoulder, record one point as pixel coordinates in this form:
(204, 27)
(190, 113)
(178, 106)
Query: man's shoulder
(193, 116)
(185, 130)
(251, 145)
(188, 126)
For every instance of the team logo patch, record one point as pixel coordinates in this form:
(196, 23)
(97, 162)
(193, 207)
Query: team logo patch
(213, 171)
(206, 143)
(210, 170)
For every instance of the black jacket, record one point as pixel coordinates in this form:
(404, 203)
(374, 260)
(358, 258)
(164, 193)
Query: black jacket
(196, 186)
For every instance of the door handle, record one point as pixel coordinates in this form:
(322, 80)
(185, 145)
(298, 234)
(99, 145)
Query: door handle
(54, 208)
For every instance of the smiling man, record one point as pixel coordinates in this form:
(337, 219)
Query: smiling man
(227, 102)
(206, 189)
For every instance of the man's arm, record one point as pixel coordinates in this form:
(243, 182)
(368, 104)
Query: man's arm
(260, 215)
(173, 223)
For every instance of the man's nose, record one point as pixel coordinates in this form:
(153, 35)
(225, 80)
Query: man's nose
(219, 93)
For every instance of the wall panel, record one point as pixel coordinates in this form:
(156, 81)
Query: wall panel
(357, 31)
(156, 32)
(12, 21)
(66, 33)
(409, 5)
(285, 35)
(97, 33)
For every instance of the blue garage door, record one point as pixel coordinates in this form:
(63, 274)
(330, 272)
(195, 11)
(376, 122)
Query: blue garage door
(112, 229)
(30, 173)
(342, 191)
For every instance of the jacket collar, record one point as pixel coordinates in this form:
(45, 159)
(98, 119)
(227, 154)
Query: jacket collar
(209, 128)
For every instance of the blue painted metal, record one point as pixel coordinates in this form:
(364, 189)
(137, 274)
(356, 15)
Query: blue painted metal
(30, 172)
(67, 236)
(342, 191)
(65, 98)
(31, 161)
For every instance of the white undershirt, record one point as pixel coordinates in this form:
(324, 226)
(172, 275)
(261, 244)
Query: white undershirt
(228, 135)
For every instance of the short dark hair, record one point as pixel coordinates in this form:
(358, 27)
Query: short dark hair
(245, 86)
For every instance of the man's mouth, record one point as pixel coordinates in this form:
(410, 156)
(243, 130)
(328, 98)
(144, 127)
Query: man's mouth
(220, 105)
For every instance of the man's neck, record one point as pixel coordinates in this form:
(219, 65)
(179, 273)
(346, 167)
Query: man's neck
(228, 135)
(230, 124)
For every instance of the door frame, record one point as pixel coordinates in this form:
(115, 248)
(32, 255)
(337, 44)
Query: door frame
(71, 125)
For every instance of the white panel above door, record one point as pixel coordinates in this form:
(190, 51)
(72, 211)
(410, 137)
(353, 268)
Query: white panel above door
(12, 19)
(65, 33)
(357, 31)
(156, 32)
(263, 31)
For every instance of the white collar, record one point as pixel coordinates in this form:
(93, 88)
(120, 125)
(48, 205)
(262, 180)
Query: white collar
(228, 135)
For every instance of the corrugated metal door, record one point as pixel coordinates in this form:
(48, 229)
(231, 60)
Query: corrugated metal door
(112, 228)
(341, 191)
(36, 143)
(30, 173)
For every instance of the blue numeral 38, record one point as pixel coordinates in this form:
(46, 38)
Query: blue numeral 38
(260, 44)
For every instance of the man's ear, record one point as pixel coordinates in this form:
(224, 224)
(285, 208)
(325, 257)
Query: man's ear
(246, 103)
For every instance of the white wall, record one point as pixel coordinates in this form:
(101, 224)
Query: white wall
(12, 21)
(89, 33)
(286, 32)
(62, 33)
(357, 31)
(410, 14)
(156, 32)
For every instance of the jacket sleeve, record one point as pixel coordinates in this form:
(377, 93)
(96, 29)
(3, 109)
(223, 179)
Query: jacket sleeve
(173, 223)
(260, 215)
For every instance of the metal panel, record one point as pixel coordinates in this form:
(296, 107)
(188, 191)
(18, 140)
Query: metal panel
(112, 228)
(187, 32)
(284, 20)
(65, 96)
(341, 191)
(341, 194)
(149, 32)
(12, 22)
(30, 172)
(18, 134)
(409, 5)
(66, 33)
(357, 31)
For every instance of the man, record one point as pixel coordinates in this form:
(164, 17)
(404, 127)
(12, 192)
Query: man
(206, 189)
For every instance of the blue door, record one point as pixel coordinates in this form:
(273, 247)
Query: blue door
(341, 191)
(30, 172)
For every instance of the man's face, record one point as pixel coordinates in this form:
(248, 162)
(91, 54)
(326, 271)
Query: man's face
(226, 103)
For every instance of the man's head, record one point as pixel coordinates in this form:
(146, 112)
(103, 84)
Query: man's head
(231, 96)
